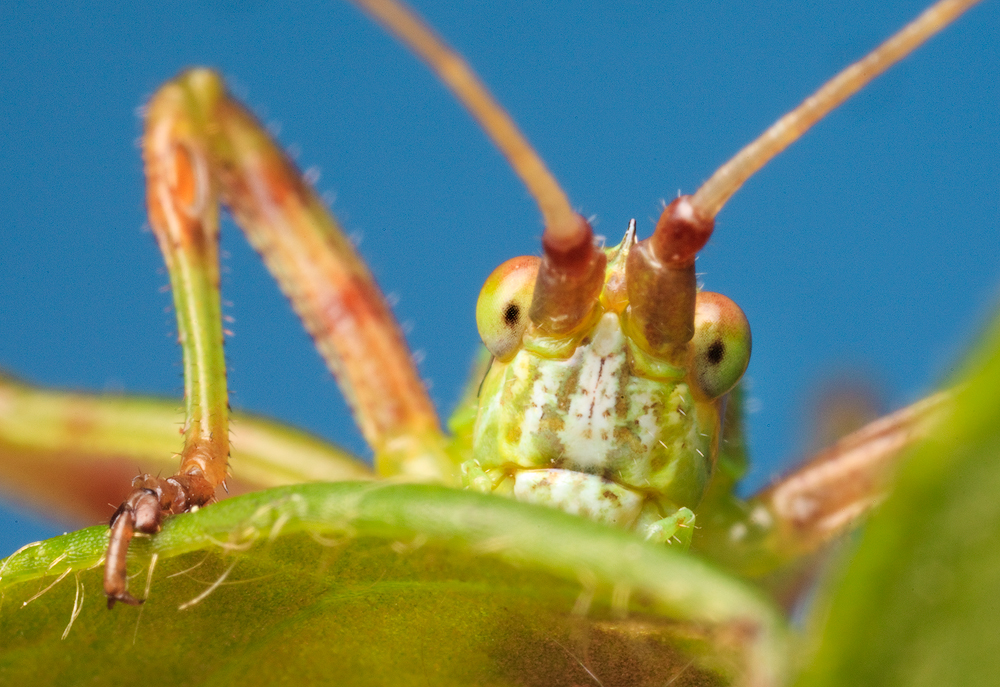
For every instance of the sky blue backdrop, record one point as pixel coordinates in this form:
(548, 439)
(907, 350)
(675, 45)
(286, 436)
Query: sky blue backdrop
(871, 244)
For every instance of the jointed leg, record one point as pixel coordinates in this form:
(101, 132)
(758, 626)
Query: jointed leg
(184, 217)
(820, 500)
(201, 145)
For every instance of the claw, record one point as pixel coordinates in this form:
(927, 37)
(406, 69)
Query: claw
(143, 511)
(140, 511)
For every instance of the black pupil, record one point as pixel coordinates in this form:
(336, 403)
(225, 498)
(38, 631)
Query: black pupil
(716, 352)
(511, 314)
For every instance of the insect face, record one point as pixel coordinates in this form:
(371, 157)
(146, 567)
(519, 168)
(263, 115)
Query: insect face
(617, 419)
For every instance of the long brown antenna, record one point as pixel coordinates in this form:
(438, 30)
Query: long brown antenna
(714, 193)
(572, 272)
(458, 76)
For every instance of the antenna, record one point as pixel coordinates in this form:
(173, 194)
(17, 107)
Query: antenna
(714, 193)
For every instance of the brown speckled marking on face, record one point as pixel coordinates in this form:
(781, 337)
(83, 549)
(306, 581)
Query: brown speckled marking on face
(563, 395)
(621, 406)
(628, 439)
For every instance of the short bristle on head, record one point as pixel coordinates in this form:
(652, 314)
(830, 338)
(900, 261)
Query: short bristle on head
(660, 277)
(570, 279)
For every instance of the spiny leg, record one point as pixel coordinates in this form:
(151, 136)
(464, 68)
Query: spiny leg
(819, 501)
(328, 285)
(200, 145)
(830, 492)
(184, 216)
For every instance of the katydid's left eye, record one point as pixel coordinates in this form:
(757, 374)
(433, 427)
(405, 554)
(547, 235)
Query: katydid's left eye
(721, 344)
(502, 309)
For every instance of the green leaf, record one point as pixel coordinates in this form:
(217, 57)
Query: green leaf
(365, 583)
(920, 602)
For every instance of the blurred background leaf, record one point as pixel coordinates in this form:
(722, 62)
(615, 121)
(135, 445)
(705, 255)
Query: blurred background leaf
(919, 603)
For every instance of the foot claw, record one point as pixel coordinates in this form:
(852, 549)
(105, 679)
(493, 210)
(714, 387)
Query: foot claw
(125, 598)
(143, 511)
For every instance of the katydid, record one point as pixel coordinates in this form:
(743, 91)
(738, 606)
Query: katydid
(405, 437)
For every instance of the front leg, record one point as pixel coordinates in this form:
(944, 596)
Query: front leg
(201, 145)
(184, 216)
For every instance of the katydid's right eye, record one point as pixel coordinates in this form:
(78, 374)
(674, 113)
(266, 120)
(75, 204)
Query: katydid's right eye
(502, 310)
(721, 343)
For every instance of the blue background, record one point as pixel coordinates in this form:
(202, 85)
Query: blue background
(868, 248)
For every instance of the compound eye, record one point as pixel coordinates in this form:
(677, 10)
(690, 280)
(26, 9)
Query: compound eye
(502, 310)
(721, 344)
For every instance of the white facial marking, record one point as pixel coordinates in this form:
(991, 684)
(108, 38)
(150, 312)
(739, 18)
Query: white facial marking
(543, 394)
(588, 433)
(578, 493)
(648, 427)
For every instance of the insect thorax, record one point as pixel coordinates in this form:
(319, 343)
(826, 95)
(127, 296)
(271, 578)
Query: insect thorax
(594, 427)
